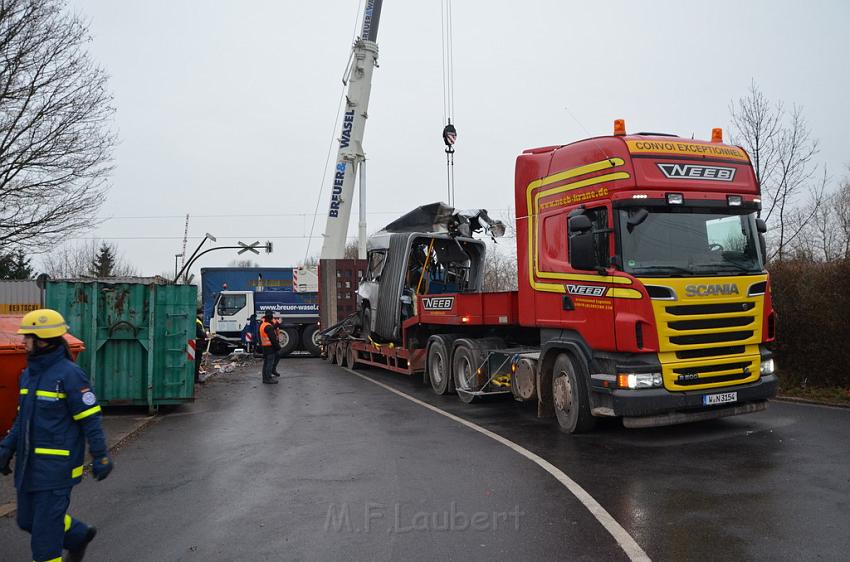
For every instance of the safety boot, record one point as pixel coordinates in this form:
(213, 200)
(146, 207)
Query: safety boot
(78, 554)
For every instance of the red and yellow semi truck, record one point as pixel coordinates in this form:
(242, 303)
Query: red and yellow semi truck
(642, 291)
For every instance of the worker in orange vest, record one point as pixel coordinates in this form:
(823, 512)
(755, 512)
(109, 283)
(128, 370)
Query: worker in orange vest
(270, 347)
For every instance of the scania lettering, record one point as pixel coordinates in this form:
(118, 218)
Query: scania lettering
(641, 295)
(709, 290)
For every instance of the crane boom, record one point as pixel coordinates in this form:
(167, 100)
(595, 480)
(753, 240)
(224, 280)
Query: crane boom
(364, 59)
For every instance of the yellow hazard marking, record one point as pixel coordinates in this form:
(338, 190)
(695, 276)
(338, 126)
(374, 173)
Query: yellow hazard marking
(6, 308)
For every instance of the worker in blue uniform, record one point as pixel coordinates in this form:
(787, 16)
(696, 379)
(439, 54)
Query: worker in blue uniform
(57, 413)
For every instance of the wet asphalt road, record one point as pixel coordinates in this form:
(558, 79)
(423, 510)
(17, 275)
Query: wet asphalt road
(327, 466)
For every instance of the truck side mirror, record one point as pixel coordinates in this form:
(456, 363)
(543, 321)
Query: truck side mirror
(579, 224)
(582, 255)
(761, 227)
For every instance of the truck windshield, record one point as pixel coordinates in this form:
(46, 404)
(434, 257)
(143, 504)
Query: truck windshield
(688, 242)
(228, 305)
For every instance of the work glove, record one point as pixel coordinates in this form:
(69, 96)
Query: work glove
(5, 459)
(101, 467)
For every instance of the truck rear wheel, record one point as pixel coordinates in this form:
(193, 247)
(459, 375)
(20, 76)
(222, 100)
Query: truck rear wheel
(439, 367)
(569, 394)
(330, 352)
(310, 340)
(288, 338)
(464, 370)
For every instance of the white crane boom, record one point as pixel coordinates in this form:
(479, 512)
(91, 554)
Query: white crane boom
(350, 156)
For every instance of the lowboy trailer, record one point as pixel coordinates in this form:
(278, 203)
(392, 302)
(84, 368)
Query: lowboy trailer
(642, 288)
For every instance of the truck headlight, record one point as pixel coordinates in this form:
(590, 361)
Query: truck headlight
(768, 367)
(639, 380)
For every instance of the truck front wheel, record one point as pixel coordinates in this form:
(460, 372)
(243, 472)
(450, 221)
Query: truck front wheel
(569, 394)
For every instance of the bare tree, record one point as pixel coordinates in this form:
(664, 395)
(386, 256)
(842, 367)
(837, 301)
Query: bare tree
(75, 260)
(55, 132)
(783, 153)
(500, 268)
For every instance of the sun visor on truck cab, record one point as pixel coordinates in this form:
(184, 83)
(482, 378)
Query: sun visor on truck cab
(439, 217)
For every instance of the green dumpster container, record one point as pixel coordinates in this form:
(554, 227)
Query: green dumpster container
(136, 333)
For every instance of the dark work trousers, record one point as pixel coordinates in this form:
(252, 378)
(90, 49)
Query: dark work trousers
(200, 347)
(270, 360)
(276, 360)
(44, 515)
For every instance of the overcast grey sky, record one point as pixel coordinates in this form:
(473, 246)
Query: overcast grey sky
(225, 108)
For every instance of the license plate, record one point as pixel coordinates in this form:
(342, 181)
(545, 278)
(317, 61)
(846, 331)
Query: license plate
(714, 399)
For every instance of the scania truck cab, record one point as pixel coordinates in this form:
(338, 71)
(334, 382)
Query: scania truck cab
(644, 270)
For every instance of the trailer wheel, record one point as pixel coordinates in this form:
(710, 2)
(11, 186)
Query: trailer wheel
(310, 340)
(569, 394)
(341, 349)
(439, 367)
(464, 371)
(350, 356)
(288, 339)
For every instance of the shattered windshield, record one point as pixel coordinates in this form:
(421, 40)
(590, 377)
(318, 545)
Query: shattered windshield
(688, 242)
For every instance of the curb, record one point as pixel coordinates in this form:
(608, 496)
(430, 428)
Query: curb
(795, 400)
(9, 509)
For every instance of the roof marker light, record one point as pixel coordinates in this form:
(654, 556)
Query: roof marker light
(675, 198)
(619, 127)
(640, 196)
(756, 200)
(717, 135)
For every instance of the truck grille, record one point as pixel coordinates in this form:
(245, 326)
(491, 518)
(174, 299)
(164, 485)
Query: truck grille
(703, 374)
(718, 323)
(712, 341)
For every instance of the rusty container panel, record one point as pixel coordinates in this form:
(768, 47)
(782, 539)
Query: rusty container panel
(136, 334)
(338, 284)
(19, 297)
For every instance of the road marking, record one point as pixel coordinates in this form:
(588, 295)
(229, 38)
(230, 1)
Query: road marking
(623, 538)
